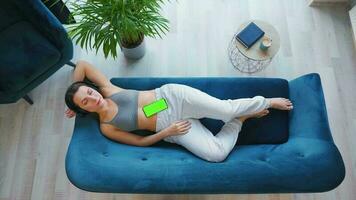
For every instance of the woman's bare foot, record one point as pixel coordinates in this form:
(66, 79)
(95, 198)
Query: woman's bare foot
(281, 103)
(257, 115)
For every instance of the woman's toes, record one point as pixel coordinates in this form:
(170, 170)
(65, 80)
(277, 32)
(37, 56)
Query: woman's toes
(263, 113)
(266, 112)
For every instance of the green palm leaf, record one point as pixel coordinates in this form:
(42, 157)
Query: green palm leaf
(105, 24)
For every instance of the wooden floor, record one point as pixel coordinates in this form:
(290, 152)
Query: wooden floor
(34, 139)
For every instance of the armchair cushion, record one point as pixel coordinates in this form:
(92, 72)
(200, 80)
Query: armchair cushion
(33, 46)
(25, 57)
(9, 14)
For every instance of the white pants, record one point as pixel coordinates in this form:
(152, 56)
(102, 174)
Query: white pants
(187, 103)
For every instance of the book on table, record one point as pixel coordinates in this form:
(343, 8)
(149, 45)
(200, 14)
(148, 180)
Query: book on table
(250, 35)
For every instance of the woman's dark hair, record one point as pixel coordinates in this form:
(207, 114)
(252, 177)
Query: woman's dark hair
(72, 89)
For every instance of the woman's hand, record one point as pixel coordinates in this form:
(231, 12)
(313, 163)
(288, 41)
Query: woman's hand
(69, 113)
(179, 127)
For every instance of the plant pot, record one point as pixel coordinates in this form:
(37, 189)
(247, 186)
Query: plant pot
(135, 52)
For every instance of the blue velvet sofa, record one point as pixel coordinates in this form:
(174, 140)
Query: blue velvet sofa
(304, 160)
(33, 46)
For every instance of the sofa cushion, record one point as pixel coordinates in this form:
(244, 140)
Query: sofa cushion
(271, 129)
(23, 53)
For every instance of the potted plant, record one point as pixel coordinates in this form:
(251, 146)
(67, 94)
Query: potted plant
(112, 23)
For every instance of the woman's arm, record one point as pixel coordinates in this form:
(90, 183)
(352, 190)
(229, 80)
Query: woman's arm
(133, 139)
(84, 69)
(176, 128)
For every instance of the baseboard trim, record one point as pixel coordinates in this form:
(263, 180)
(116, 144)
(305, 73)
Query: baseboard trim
(327, 3)
(352, 15)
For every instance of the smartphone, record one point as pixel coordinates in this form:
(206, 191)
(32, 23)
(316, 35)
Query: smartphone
(155, 107)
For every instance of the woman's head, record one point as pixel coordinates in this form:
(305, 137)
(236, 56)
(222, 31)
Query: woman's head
(83, 97)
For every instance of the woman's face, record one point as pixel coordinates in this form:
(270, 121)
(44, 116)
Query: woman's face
(88, 99)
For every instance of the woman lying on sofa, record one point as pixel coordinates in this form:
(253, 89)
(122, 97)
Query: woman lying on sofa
(120, 111)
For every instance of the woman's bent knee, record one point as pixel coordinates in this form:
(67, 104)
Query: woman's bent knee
(217, 156)
(216, 159)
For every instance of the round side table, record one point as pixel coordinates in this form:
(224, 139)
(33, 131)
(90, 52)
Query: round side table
(253, 59)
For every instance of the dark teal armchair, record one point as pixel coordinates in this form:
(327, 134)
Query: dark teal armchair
(33, 46)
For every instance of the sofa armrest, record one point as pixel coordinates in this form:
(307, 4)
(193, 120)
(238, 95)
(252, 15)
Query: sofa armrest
(309, 117)
(42, 18)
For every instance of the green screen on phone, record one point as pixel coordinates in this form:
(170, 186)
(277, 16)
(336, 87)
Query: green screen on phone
(155, 107)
